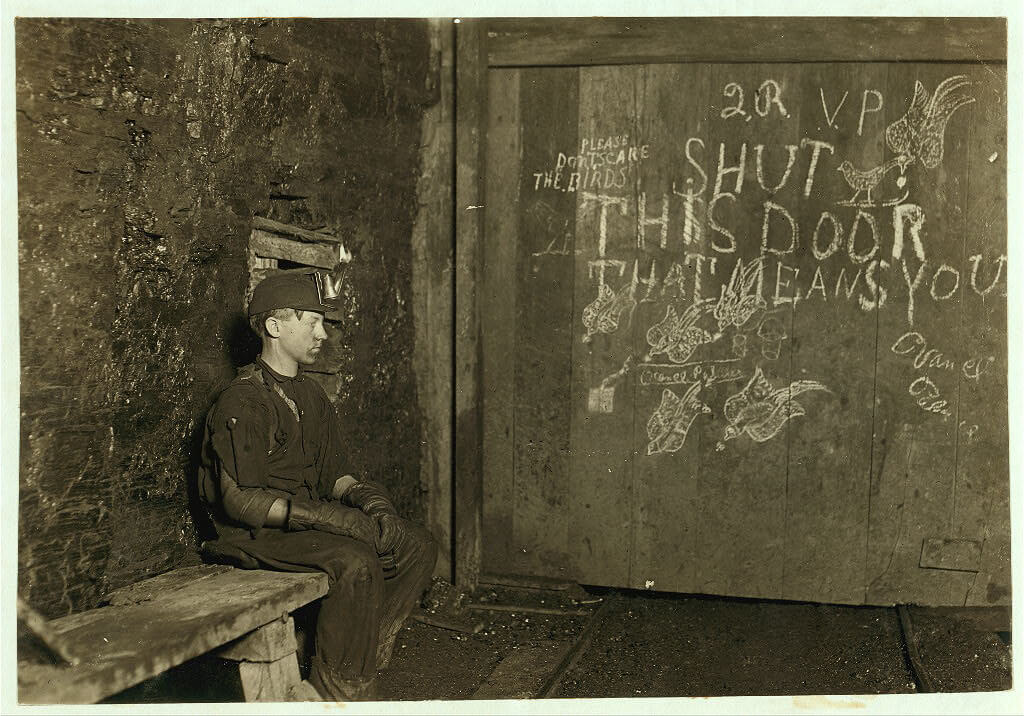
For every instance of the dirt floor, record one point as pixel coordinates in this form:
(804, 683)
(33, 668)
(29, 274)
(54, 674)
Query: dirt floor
(669, 646)
(470, 659)
(508, 642)
(650, 644)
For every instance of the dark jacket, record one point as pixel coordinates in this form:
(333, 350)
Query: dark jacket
(267, 436)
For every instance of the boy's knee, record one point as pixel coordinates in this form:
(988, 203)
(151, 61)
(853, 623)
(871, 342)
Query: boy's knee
(357, 566)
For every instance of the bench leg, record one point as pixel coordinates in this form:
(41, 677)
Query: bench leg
(272, 681)
(267, 665)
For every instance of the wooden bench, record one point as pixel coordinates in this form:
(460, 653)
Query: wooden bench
(238, 614)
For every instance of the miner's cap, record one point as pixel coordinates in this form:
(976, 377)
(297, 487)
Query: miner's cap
(301, 291)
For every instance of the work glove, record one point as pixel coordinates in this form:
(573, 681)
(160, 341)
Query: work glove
(334, 518)
(391, 531)
(348, 522)
(370, 498)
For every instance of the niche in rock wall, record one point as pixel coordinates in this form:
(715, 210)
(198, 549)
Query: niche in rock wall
(282, 248)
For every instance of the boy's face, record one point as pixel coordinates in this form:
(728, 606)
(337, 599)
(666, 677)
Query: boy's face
(300, 338)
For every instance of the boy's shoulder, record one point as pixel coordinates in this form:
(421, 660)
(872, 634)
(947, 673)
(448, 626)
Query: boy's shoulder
(247, 386)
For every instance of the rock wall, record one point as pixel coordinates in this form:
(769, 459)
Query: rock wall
(145, 148)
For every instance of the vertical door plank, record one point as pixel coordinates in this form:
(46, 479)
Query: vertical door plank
(981, 511)
(743, 458)
(543, 275)
(471, 89)
(602, 418)
(498, 305)
(921, 399)
(673, 123)
(834, 334)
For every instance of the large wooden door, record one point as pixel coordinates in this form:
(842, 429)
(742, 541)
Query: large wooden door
(743, 329)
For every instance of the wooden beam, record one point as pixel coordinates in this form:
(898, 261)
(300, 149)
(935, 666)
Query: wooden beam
(297, 232)
(433, 245)
(592, 41)
(921, 676)
(470, 83)
(267, 245)
(523, 673)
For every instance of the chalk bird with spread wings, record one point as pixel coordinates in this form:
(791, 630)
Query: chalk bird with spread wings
(760, 410)
(919, 134)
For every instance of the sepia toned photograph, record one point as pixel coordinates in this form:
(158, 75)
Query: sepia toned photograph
(425, 362)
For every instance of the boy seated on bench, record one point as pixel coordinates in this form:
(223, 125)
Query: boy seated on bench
(280, 494)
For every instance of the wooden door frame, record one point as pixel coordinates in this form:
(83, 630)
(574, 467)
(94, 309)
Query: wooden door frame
(482, 44)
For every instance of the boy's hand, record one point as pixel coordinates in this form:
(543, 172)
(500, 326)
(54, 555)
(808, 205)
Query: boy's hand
(390, 533)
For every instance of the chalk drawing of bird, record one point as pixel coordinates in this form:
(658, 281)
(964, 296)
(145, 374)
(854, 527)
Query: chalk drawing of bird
(677, 335)
(671, 421)
(603, 313)
(760, 410)
(919, 134)
(741, 297)
(864, 181)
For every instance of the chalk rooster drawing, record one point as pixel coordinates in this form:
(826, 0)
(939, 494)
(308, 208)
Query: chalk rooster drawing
(920, 133)
(760, 410)
(741, 297)
(669, 424)
(602, 315)
(677, 335)
(865, 181)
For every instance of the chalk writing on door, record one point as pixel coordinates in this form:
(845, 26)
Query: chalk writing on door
(718, 260)
(705, 372)
(871, 103)
(923, 389)
(600, 163)
(767, 97)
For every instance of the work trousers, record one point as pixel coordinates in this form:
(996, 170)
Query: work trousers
(362, 612)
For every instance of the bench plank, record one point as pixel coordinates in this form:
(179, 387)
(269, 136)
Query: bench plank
(163, 584)
(120, 646)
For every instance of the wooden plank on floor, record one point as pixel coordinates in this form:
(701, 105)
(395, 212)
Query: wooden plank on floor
(523, 673)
